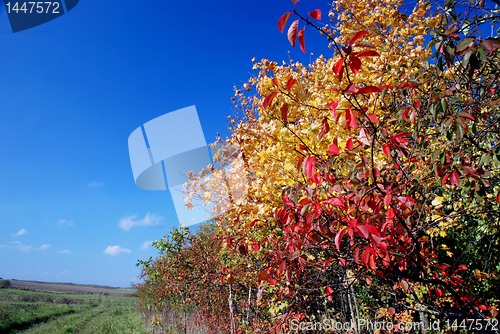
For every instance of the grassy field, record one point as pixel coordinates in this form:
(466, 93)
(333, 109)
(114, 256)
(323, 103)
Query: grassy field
(26, 311)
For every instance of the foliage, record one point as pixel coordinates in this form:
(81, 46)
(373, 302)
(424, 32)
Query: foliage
(372, 178)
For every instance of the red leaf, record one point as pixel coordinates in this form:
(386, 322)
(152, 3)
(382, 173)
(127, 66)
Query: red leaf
(339, 236)
(256, 246)
(338, 68)
(445, 178)
(355, 64)
(334, 201)
(310, 166)
(366, 53)
(275, 82)
(281, 267)
(290, 83)
(282, 21)
(315, 14)
(387, 199)
(357, 36)
(373, 118)
(498, 198)
(263, 275)
(350, 117)
(333, 107)
(269, 99)
(454, 178)
(368, 89)
(284, 113)
(405, 113)
(390, 215)
(387, 149)
(440, 292)
(329, 293)
(348, 145)
(324, 129)
(367, 258)
(327, 262)
(365, 231)
(355, 256)
(333, 149)
(292, 32)
(351, 89)
(302, 42)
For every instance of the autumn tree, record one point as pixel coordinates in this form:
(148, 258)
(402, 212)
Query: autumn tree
(371, 175)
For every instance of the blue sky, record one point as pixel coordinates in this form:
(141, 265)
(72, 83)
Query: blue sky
(72, 90)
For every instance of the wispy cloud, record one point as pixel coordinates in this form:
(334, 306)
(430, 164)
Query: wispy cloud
(146, 244)
(95, 185)
(116, 250)
(20, 233)
(43, 247)
(64, 251)
(65, 223)
(22, 247)
(149, 219)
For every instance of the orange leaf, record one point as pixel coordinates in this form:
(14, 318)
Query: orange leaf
(302, 42)
(282, 21)
(292, 32)
(315, 14)
(269, 99)
(357, 36)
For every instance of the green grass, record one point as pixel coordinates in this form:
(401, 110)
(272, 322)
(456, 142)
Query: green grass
(30, 312)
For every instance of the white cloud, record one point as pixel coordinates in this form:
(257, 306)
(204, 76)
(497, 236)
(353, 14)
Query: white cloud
(20, 246)
(116, 250)
(149, 220)
(43, 247)
(146, 244)
(95, 185)
(64, 251)
(21, 232)
(17, 245)
(65, 223)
